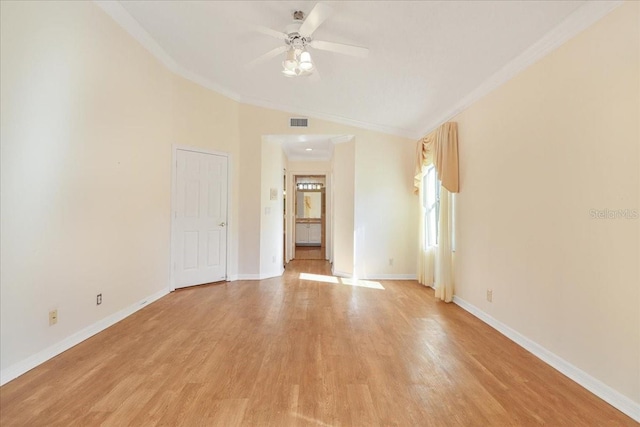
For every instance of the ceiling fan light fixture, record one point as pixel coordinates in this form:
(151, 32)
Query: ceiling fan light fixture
(291, 62)
(289, 73)
(305, 61)
(298, 36)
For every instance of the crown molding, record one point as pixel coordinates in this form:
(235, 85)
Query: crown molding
(583, 17)
(573, 24)
(119, 14)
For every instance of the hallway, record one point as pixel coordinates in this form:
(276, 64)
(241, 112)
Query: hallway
(309, 252)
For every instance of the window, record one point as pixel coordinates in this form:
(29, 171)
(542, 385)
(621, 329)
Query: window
(431, 205)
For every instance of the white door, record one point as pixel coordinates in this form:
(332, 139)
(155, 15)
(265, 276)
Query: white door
(200, 219)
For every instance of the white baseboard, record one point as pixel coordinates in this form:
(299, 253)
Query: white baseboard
(595, 386)
(31, 362)
(275, 273)
(339, 273)
(262, 276)
(248, 277)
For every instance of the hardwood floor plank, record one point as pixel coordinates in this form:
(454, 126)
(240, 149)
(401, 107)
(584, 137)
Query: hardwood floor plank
(306, 349)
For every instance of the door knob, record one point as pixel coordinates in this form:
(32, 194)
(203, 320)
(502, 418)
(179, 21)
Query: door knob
(222, 224)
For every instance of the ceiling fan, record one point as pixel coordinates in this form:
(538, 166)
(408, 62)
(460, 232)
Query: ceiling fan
(298, 38)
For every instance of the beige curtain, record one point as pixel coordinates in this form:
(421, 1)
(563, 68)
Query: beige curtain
(444, 254)
(440, 147)
(426, 254)
(435, 264)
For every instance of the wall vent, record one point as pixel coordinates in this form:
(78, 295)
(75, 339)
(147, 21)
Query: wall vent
(298, 122)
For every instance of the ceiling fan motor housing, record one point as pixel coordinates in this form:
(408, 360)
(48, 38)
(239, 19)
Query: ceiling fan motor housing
(296, 41)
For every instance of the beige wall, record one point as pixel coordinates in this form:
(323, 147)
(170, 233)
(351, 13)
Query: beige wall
(257, 122)
(309, 166)
(88, 121)
(344, 159)
(271, 215)
(536, 156)
(205, 119)
(386, 243)
(89, 118)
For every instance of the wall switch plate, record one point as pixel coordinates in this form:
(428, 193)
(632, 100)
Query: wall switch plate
(53, 317)
(98, 299)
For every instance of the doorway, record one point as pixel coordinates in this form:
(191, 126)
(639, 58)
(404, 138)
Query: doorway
(310, 217)
(199, 217)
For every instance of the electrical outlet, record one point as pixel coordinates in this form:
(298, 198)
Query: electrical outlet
(53, 317)
(273, 258)
(490, 295)
(391, 261)
(98, 299)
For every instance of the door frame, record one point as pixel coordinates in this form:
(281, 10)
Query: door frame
(172, 214)
(291, 217)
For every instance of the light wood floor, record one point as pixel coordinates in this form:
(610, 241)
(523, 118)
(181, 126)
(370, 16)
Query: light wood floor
(295, 352)
(309, 252)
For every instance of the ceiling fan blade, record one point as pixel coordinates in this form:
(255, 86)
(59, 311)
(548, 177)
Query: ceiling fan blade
(273, 33)
(320, 12)
(265, 30)
(345, 49)
(267, 56)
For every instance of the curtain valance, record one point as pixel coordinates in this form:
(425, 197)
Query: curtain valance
(440, 147)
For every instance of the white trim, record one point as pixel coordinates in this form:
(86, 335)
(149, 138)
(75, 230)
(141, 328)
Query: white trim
(595, 386)
(248, 277)
(272, 274)
(174, 159)
(582, 18)
(260, 276)
(119, 14)
(290, 245)
(33, 361)
(339, 273)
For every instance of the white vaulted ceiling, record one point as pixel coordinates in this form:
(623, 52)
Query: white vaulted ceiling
(427, 59)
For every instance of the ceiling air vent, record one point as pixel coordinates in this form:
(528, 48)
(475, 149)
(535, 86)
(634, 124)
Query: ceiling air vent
(298, 122)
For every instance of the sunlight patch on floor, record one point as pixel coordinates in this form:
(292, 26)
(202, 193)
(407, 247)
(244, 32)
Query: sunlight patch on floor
(362, 283)
(319, 278)
(341, 280)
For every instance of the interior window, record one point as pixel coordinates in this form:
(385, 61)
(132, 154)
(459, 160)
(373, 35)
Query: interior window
(431, 204)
